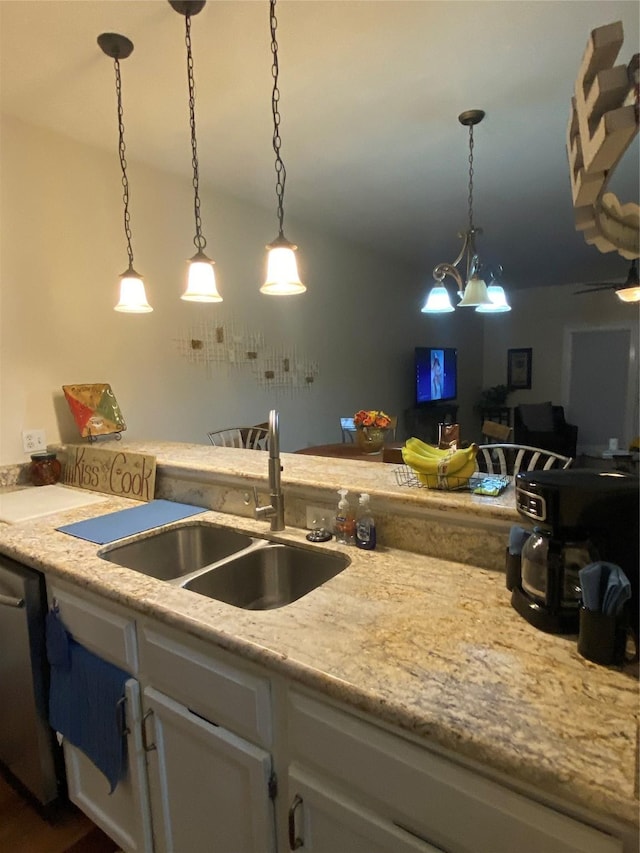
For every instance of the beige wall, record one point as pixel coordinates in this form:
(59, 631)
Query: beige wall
(540, 319)
(62, 249)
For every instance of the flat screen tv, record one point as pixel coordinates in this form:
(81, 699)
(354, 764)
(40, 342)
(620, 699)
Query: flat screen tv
(436, 371)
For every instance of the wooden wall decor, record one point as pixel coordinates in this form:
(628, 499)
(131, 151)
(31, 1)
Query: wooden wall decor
(113, 472)
(602, 125)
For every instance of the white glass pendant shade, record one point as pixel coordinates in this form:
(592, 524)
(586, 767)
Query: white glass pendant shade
(629, 294)
(498, 299)
(282, 272)
(201, 283)
(438, 301)
(133, 299)
(475, 293)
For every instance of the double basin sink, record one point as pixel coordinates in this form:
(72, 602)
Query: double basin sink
(245, 571)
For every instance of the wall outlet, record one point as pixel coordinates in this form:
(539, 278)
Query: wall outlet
(318, 516)
(33, 440)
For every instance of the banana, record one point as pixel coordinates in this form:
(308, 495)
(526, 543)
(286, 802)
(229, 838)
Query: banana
(460, 459)
(454, 467)
(419, 446)
(422, 463)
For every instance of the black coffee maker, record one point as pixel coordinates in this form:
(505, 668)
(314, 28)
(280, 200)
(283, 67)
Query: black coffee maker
(579, 516)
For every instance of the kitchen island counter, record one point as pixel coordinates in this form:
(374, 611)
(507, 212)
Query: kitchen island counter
(426, 645)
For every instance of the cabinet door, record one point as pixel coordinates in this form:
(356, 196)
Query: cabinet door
(209, 787)
(323, 821)
(125, 814)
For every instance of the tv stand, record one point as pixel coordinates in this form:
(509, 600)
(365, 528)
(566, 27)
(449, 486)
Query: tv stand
(422, 421)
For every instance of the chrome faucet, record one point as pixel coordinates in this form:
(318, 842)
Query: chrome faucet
(275, 510)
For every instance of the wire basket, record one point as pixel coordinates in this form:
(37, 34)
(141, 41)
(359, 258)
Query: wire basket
(483, 484)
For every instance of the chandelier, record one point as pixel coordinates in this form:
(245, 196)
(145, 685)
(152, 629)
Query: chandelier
(472, 289)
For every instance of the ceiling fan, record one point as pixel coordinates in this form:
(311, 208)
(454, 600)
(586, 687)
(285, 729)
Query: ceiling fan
(627, 291)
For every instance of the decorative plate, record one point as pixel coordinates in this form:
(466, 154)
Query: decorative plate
(94, 409)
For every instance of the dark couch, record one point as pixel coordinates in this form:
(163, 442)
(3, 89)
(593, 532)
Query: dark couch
(543, 425)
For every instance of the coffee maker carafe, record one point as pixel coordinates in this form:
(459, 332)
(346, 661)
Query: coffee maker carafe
(580, 516)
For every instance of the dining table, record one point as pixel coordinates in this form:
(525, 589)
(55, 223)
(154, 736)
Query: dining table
(350, 450)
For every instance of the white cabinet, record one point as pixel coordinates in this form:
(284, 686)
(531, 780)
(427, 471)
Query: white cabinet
(431, 797)
(124, 815)
(207, 723)
(321, 820)
(209, 787)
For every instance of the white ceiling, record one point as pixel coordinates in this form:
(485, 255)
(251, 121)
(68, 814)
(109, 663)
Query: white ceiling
(370, 94)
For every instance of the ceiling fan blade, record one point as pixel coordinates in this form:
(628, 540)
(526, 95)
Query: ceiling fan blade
(631, 281)
(592, 288)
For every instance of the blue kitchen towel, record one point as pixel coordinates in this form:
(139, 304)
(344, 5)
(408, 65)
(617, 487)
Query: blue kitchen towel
(85, 707)
(618, 592)
(517, 537)
(58, 649)
(603, 583)
(126, 522)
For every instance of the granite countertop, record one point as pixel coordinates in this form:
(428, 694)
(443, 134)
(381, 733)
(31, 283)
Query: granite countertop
(429, 645)
(302, 472)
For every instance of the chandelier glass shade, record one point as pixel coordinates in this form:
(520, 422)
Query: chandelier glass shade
(472, 290)
(282, 268)
(498, 299)
(133, 299)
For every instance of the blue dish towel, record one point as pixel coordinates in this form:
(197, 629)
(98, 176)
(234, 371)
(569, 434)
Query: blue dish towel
(84, 701)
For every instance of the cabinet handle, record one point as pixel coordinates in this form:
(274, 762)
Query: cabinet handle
(294, 840)
(8, 601)
(148, 747)
(121, 716)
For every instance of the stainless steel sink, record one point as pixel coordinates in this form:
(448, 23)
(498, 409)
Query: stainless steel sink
(178, 551)
(267, 577)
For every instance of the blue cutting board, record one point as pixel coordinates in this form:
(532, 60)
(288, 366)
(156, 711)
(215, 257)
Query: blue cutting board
(126, 522)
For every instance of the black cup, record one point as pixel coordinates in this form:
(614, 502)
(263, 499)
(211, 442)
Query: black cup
(601, 638)
(513, 569)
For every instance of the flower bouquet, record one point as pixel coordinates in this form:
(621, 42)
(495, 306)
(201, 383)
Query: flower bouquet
(371, 426)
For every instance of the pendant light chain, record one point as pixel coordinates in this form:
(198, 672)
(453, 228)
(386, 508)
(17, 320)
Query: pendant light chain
(470, 177)
(281, 174)
(199, 240)
(123, 163)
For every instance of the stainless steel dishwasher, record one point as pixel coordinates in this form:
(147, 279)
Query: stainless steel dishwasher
(28, 748)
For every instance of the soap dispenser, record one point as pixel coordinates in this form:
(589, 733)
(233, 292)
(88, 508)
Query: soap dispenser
(365, 525)
(345, 520)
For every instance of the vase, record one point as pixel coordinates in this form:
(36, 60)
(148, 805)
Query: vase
(370, 439)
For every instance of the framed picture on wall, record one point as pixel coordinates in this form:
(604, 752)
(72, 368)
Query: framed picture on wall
(519, 368)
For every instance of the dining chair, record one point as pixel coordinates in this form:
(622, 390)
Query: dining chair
(251, 438)
(499, 432)
(348, 428)
(510, 459)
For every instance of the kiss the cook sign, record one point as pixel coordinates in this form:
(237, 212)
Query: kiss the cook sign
(114, 472)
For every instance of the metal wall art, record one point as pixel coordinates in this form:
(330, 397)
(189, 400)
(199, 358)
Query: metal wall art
(226, 342)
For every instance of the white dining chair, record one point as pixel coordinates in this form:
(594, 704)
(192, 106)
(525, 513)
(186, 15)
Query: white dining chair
(510, 459)
(251, 438)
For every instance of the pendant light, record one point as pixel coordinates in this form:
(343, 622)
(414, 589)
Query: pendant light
(472, 290)
(282, 269)
(133, 299)
(201, 281)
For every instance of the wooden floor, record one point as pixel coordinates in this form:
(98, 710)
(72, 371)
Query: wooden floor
(23, 829)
